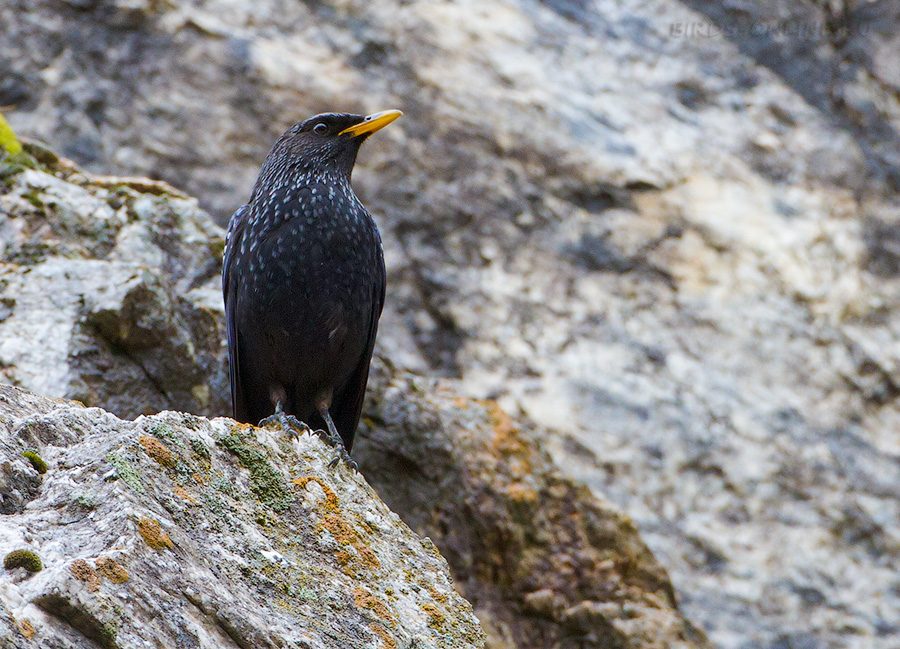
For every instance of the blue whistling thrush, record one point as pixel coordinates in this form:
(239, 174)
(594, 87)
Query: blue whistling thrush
(304, 283)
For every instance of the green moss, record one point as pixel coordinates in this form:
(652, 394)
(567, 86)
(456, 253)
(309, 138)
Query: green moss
(265, 481)
(39, 465)
(217, 247)
(23, 559)
(41, 155)
(265, 519)
(13, 159)
(126, 471)
(199, 448)
(31, 253)
(108, 632)
(33, 196)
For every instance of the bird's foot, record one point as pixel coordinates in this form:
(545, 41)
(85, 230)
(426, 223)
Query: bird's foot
(291, 426)
(335, 442)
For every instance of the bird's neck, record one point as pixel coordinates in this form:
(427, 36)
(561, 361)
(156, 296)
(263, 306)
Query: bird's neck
(297, 177)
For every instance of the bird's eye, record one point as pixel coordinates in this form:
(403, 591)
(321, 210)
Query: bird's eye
(320, 128)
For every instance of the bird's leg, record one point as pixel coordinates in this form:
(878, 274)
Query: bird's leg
(291, 426)
(333, 439)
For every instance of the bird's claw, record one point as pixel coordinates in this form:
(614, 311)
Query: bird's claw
(334, 441)
(342, 454)
(340, 450)
(291, 426)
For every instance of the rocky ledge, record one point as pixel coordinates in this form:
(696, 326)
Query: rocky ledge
(174, 530)
(193, 532)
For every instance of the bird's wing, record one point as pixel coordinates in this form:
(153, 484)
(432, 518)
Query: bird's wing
(229, 288)
(349, 404)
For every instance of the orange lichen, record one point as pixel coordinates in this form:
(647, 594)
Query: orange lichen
(184, 495)
(83, 572)
(437, 595)
(331, 499)
(367, 556)
(153, 534)
(26, 629)
(387, 640)
(344, 534)
(367, 600)
(340, 529)
(157, 450)
(521, 493)
(112, 570)
(507, 442)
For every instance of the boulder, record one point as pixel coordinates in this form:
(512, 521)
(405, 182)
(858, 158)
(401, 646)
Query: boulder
(110, 291)
(174, 530)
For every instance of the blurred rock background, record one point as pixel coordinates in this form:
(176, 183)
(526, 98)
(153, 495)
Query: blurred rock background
(666, 232)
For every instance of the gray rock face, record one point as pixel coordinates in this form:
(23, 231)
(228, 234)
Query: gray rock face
(177, 531)
(667, 231)
(110, 294)
(544, 562)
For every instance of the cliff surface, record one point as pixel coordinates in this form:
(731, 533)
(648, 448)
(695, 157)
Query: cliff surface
(110, 291)
(666, 231)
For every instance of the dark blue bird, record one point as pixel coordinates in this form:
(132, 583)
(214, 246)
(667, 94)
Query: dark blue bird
(304, 282)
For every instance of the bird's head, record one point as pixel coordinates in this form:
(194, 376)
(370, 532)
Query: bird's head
(329, 142)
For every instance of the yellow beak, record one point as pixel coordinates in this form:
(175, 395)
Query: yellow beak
(372, 123)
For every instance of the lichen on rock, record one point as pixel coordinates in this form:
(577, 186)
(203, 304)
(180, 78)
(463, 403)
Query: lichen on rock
(229, 533)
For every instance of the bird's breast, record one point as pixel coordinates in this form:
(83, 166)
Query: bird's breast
(317, 246)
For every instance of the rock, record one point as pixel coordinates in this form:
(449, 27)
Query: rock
(180, 531)
(665, 232)
(544, 563)
(545, 560)
(110, 293)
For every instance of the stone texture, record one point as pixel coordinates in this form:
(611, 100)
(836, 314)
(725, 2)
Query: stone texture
(544, 563)
(174, 530)
(665, 231)
(109, 292)
(458, 470)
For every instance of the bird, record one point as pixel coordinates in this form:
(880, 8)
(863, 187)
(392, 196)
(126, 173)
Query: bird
(304, 282)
